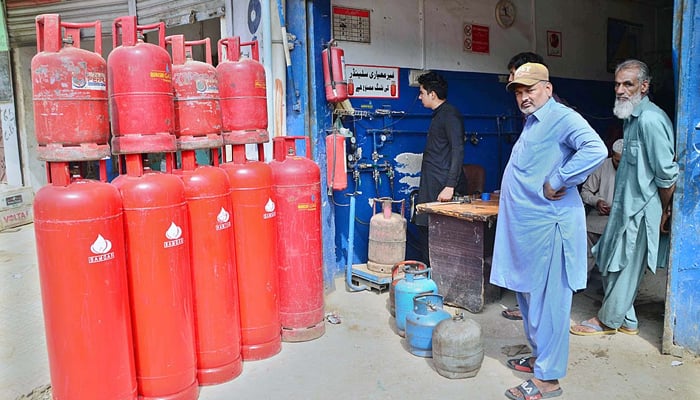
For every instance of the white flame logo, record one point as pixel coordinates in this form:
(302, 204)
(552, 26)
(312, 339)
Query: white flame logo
(174, 232)
(223, 216)
(101, 245)
(270, 206)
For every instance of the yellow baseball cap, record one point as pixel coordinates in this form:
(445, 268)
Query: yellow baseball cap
(528, 74)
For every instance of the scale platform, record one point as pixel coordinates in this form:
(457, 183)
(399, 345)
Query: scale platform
(378, 281)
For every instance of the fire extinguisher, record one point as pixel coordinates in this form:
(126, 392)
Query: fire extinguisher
(333, 58)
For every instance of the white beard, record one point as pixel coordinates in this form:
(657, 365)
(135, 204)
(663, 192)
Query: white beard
(624, 107)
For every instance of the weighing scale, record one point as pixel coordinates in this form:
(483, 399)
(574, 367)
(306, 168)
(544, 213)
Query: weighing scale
(378, 281)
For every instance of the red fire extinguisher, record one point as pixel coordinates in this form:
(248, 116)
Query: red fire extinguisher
(333, 58)
(337, 174)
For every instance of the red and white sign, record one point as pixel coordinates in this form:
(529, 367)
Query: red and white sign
(476, 38)
(372, 81)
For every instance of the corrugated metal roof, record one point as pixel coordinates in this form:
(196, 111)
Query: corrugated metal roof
(22, 30)
(21, 14)
(180, 12)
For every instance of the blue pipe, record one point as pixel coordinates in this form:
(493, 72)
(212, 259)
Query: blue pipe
(351, 244)
(288, 60)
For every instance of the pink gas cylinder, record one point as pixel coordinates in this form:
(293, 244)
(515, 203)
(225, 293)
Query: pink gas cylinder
(79, 232)
(254, 213)
(197, 110)
(297, 188)
(214, 278)
(160, 282)
(243, 93)
(139, 77)
(69, 87)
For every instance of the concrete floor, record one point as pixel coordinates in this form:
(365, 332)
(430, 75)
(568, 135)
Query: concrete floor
(362, 357)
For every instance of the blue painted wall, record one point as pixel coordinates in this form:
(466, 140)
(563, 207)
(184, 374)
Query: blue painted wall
(683, 306)
(490, 115)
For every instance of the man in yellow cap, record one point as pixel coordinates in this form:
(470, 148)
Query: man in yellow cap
(540, 245)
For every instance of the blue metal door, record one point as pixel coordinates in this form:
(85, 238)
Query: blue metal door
(682, 324)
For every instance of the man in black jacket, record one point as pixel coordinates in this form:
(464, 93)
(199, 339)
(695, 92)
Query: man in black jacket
(441, 171)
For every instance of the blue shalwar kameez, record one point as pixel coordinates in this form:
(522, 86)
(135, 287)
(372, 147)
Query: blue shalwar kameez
(540, 245)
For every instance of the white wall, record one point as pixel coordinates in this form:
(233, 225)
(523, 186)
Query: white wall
(399, 38)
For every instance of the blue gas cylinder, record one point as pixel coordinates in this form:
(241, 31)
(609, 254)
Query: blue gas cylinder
(427, 313)
(416, 281)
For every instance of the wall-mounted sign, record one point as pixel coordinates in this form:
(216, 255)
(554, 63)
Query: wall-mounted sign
(476, 38)
(554, 43)
(372, 81)
(351, 24)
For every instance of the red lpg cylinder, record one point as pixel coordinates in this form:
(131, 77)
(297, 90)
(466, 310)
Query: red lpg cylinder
(243, 93)
(256, 255)
(197, 110)
(157, 239)
(82, 268)
(139, 77)
(69, 87)
(214, 277)
(297, 190)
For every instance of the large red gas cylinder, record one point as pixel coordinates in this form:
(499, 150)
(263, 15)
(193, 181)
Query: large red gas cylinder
(139, 77)
(82, 268)
(197, 111)
(160, 282)
(69, 87)
(254, 213)
(243, 94)
(336, 171)
(214, 277)
(297, 190)
(333, 62)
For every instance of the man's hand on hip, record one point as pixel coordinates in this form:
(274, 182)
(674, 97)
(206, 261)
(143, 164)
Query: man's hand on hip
(551, 194)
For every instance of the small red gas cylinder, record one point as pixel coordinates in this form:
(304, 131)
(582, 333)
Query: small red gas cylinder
(297, 188)
(214, 277)
(82, 268)
(254, 213)
(69, 86)
(139, 77)
(337, 172)
(197, 110)
(243, 93)
(160, 282)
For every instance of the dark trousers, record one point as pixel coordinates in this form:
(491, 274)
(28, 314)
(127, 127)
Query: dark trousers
(423, 244)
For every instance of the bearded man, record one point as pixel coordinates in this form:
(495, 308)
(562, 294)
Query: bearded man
(636, 235)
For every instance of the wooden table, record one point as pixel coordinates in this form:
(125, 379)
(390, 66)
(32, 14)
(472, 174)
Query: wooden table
(461, 247)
